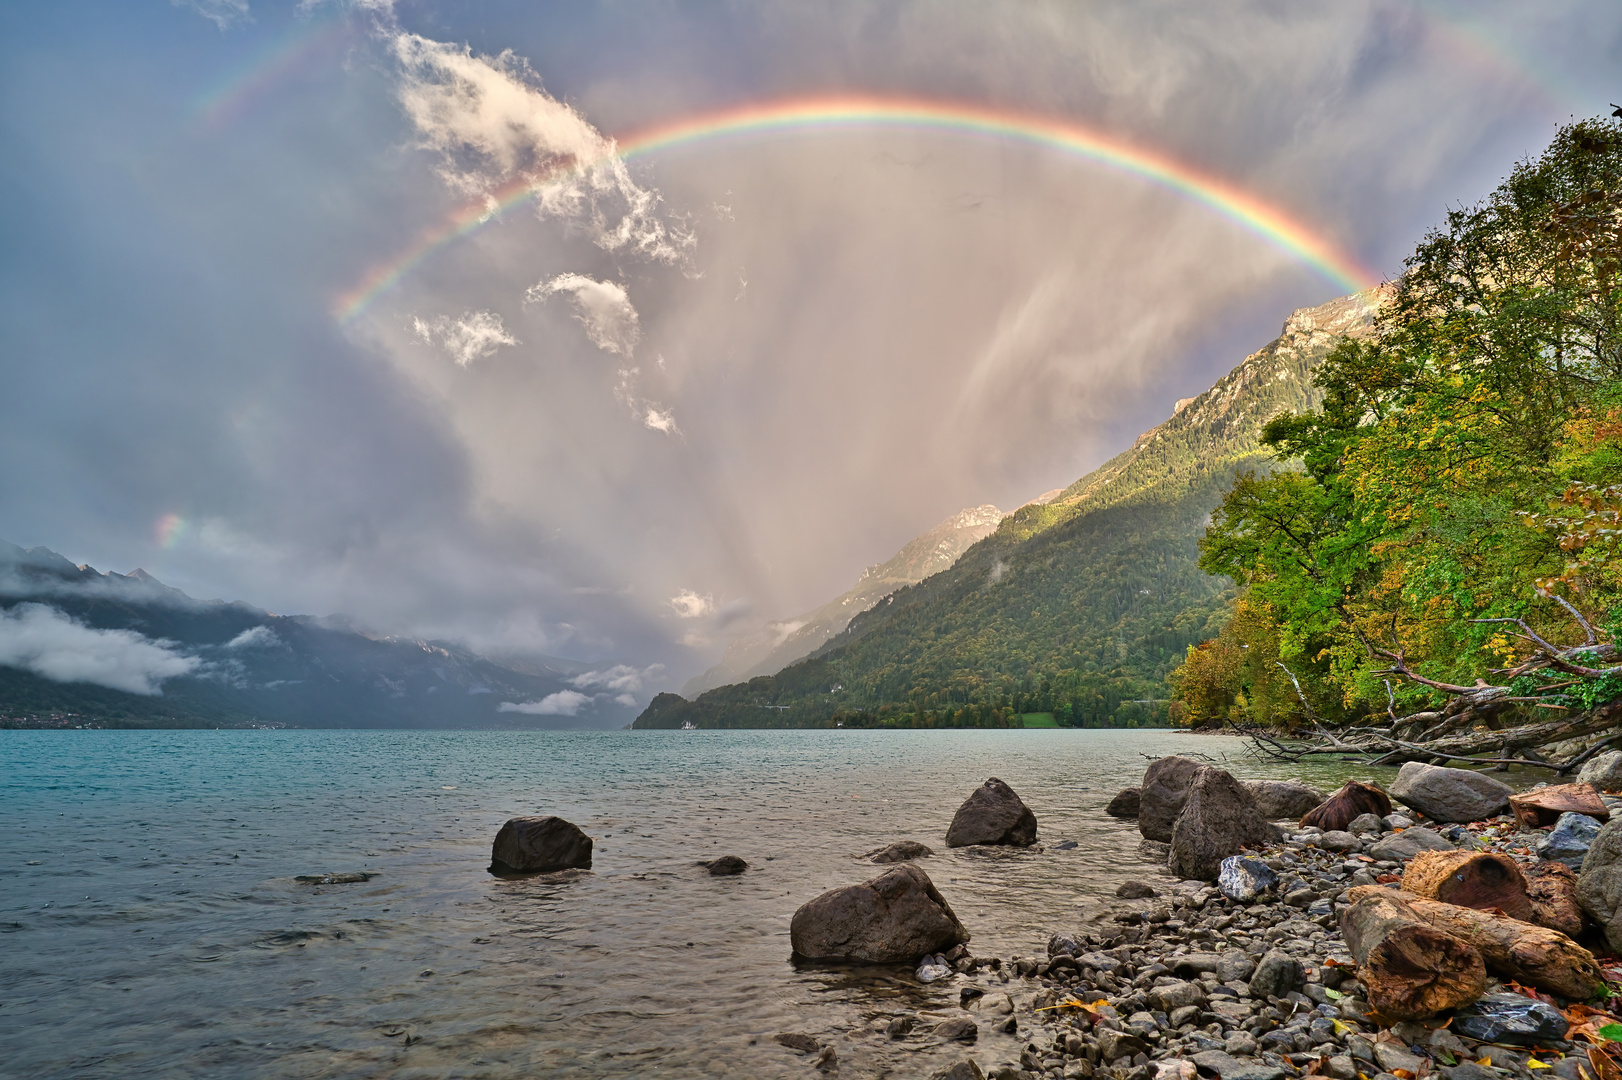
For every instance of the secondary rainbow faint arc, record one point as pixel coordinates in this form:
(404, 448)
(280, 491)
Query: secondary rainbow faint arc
(831, 113)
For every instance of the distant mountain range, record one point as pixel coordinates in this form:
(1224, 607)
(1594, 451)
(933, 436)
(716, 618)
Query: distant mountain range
(127, 650)
(769, 651)
(1082, 604)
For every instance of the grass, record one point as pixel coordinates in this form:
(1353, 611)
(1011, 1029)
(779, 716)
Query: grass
(1037, 719)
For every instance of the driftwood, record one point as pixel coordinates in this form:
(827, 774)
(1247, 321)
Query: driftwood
(1472, 879)
(1348, 804)
(1552, 888)
(1409, 969)
(1544, 958)
(1535, 809)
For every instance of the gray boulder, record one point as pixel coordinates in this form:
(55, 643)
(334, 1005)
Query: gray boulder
(1219, 818)
(1568, 842)
(1444, 794)
(992, 815)
(897, 916)
(1243, 879)
(1340, 842)
(1277, 973)
(1124, 805)
(1284, 798)
(1599, 886)
(1366, 825)
(532, 845)
(1604, 771)
(900, 851)
(1160, 799)
(1403, 846)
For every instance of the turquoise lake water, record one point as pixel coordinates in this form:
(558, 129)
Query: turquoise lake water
(150, 924)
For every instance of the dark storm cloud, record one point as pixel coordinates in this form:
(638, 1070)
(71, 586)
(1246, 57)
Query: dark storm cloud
(701, 389)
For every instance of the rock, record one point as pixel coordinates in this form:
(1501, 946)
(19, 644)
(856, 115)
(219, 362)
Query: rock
(1160, 799)
(1391, 1057)
(931, 968)
(1283, 798)
(1568, 843)
(900, 851)
(353, 878)
(532, 845)
(1175, 1069)
(1277, 973)
(1469, 1070)
(1175, 995)
(1136, 890)
(1599, 886)
(992, 815)
(1192, 965)
(725, 866)
(1242, 878)
(1219, 818)
(966, 1069)
(1351, 802)
(1124, 805)
(797, 1040)
(901, 1027)
(1366, 825)
(1444, 794)
(1510, 1018)
(1220, 1064)
(1063, 944)
(1604, 771)
(1241, 1043)
(1340, 842)
(961, 1029)
(1235, 967)
(1341, 1067)
(897, 916)
(1114, 1045)
(1408, 843)
(828, 1060)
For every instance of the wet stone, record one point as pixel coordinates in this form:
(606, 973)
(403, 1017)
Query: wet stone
(1510, 1018)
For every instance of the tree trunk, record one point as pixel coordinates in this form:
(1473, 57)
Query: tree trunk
(1409, 969)
(1541, 734)
(1472, 879)
(1536, 809)
(1552, 888)
(1531, 954)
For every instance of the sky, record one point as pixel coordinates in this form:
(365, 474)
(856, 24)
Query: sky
(611, 330)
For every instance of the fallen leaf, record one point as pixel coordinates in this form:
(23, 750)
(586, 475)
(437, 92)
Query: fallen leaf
(1534, 1063)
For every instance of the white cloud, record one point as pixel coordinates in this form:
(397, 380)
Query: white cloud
(222, 13)
(690, 605)
(659, 420)
(491, 124)
(255, 637)
(621, 678)
(48, 642)
(602, 307)
(625, 699)
(476, 334)
(562, 703)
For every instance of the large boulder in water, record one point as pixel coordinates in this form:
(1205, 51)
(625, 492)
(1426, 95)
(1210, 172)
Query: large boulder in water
(992, 815)
(1160, 798)
(1124, 805)
(1444, 794)
(897, 916)
(1219, 818)
(530, 845)
(1283, 798)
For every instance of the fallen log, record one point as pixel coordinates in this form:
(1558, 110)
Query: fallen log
(1475, 743)
(1537, 955)
(1409, 969)
(1552, 888)
(1473, 879)
(1352, 801)
(1543, 806)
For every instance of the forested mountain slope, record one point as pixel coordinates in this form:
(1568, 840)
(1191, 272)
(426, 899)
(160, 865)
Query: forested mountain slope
(1081, 606)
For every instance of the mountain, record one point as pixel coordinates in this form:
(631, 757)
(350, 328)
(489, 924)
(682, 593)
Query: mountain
(781, 643)
(1081, 605)
(130, 651)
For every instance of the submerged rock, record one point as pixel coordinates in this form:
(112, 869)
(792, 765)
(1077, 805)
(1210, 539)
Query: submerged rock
(1136, 890)
(1510, 1018)
(725, 866)
(352, 878)
(1444, 794)
(1124, 805)
(897, 916)
(992, 815)
(900, 851)
(528, 845)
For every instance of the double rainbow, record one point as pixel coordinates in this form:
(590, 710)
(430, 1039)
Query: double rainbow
(1266, 220)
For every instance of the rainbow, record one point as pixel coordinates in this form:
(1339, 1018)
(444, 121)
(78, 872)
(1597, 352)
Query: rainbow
(838, 113)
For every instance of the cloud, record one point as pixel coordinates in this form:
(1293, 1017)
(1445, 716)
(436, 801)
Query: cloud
(476, 334)
(658, 419)
(621, 678)
(222, 13)
(602, 307)
(491, 124)
(690, 605)
(47, 642)
(562, 703)
(255, 637)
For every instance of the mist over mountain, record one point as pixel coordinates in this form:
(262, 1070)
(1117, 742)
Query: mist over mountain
(1080, 605)
(127, 650)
